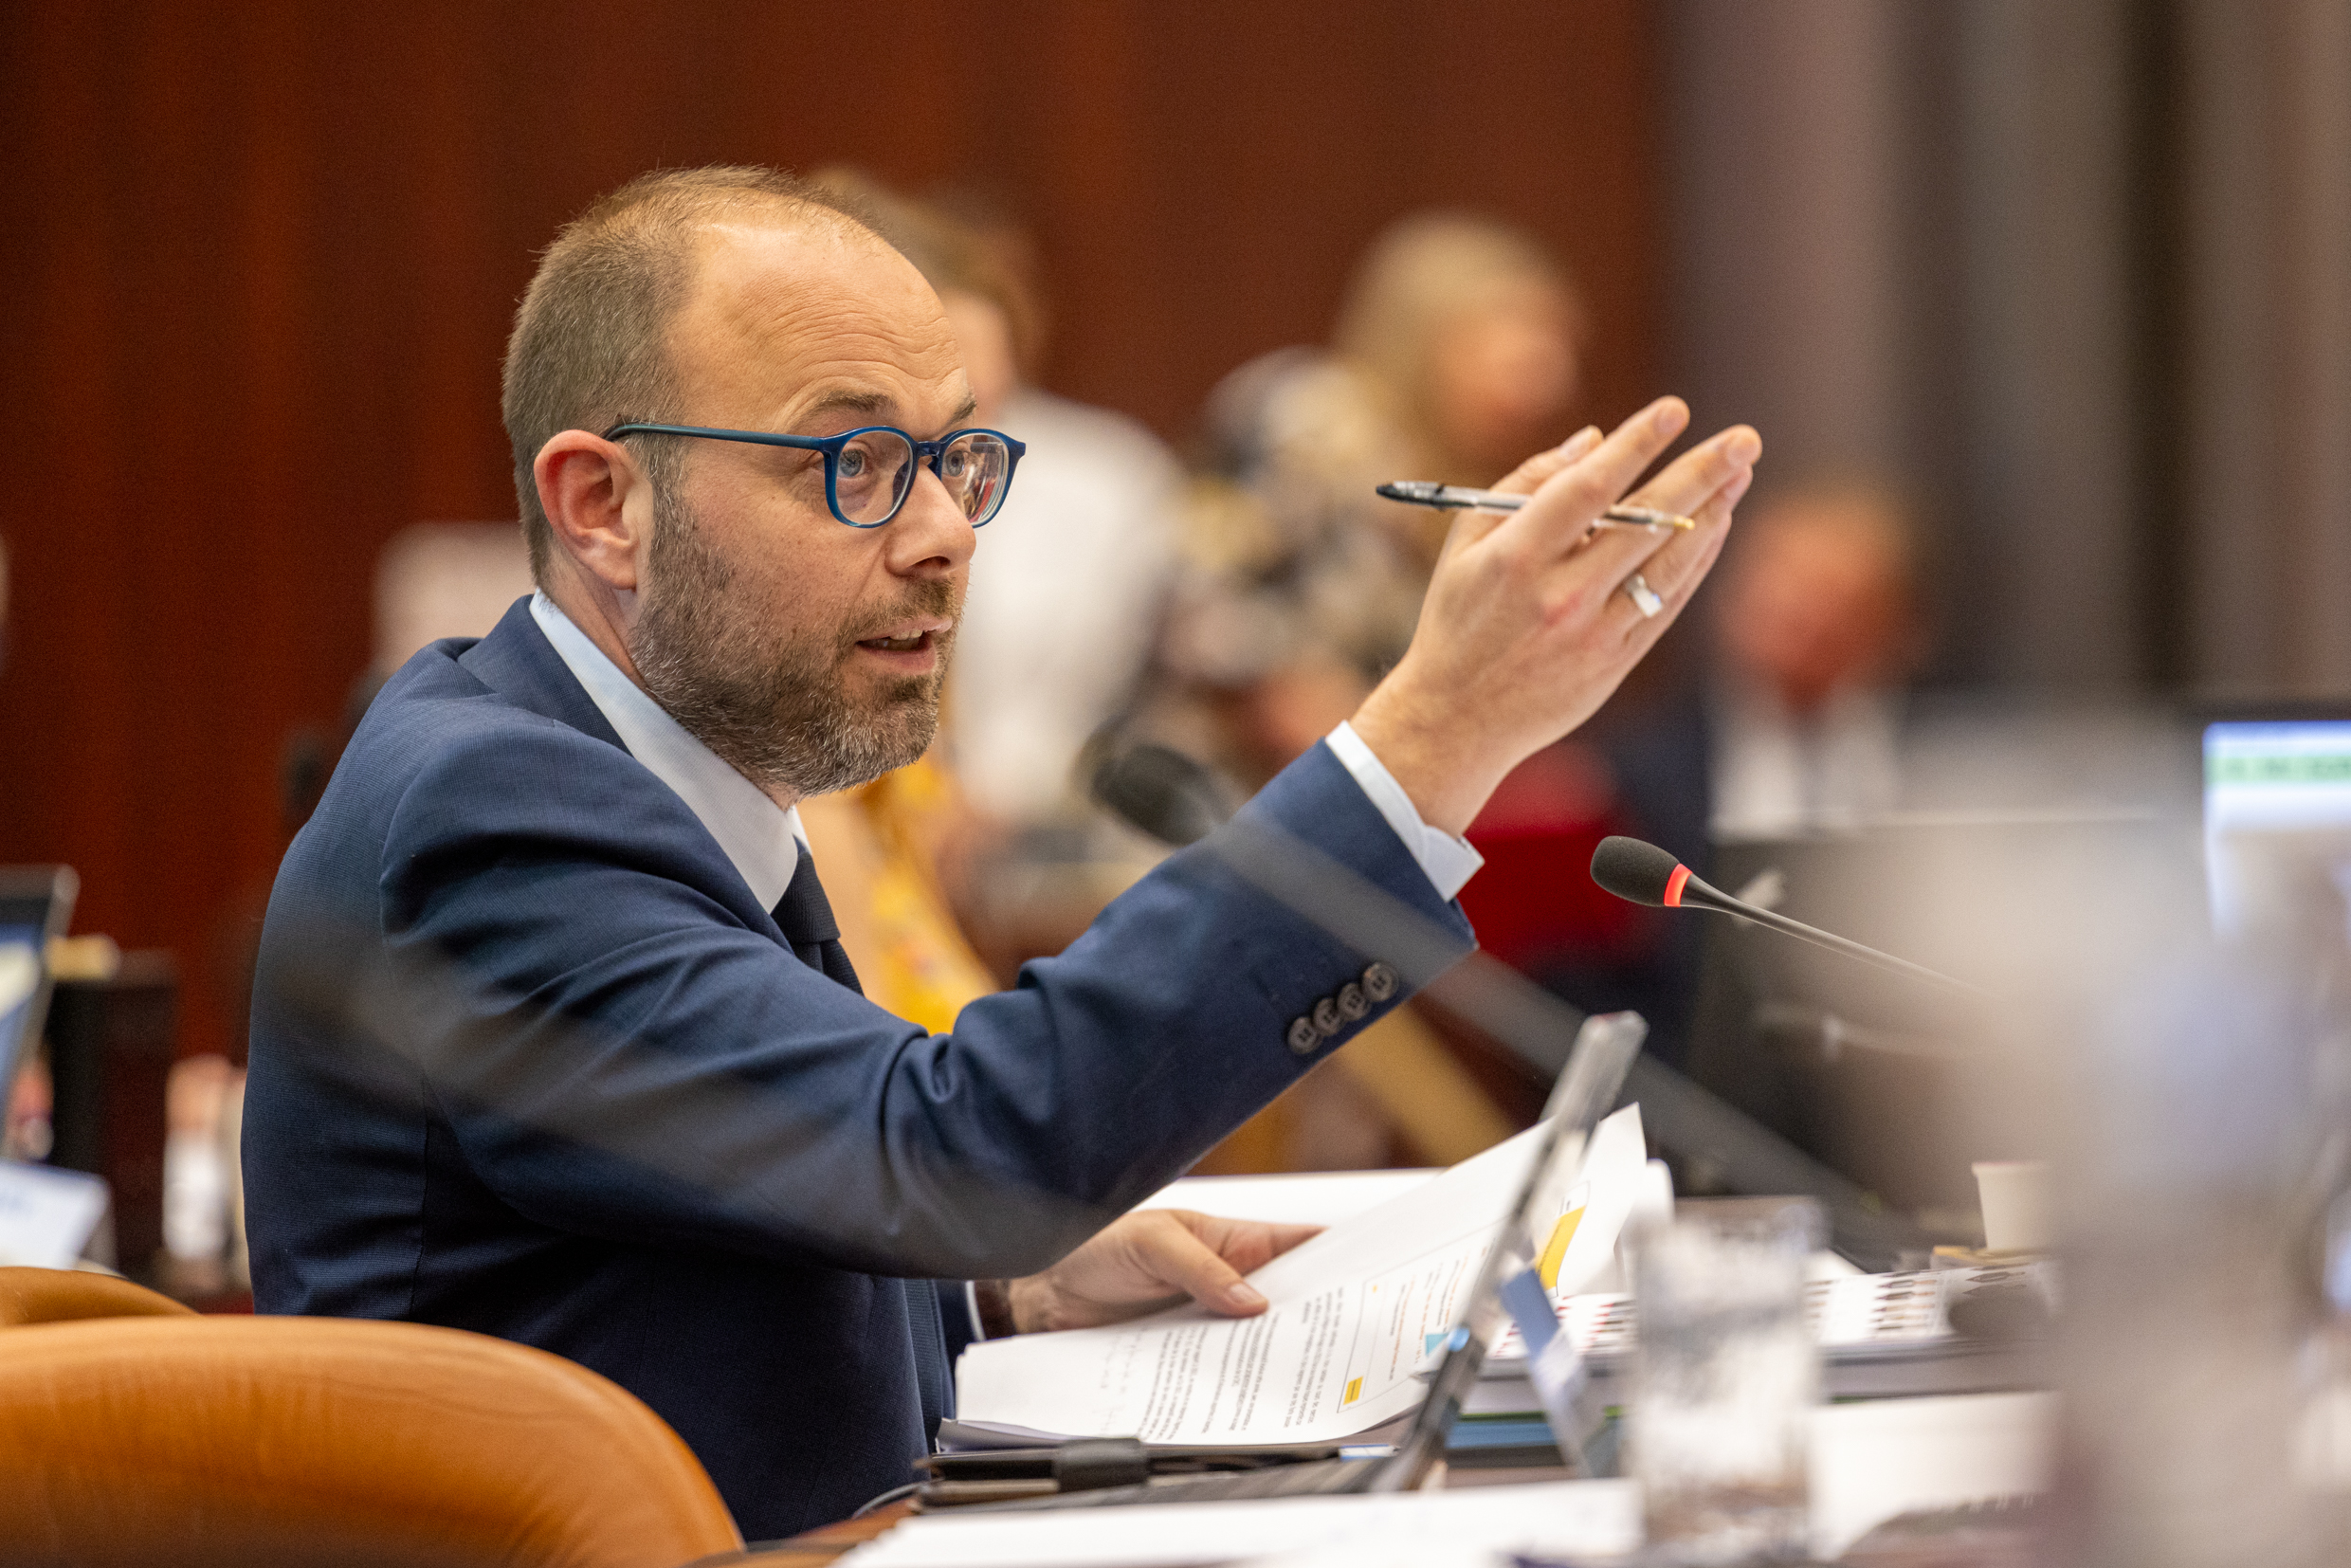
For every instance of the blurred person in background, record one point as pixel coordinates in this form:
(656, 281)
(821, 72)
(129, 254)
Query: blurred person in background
(1792, 718)
(24, 1098)
(1818, 630)
(1786, 715)
(936, 898)
(1079, 560)
(1457, 344)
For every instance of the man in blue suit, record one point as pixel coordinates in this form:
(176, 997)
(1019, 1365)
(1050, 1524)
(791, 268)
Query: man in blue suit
(552, 1036)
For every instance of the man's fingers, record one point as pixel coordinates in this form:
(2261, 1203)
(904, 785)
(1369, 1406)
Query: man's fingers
(1566, 504)
(1688, 479)
(1280, 1239)
(1671, 559)
(1529, 476)
(1674, 572)
(1524, 480)
(1213, 1253)
(1705, 482)
(1179, 1255)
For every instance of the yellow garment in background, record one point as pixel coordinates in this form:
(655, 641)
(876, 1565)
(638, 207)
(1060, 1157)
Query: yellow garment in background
(874, 848)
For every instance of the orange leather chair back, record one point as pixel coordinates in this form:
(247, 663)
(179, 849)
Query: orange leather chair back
(56, 1295)
(280, 1441)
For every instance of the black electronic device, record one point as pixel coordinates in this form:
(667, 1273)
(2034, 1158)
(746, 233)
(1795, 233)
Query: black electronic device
(1894, 1084)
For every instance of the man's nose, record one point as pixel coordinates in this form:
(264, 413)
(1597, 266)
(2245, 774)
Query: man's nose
(930, 534)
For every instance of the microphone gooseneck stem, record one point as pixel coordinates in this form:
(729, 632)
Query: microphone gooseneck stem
(1698, 895)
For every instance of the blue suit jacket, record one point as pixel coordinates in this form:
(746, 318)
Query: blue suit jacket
(529, 1059)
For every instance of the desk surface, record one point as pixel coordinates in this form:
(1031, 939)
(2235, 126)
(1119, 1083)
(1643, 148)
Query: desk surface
(1870, 1461)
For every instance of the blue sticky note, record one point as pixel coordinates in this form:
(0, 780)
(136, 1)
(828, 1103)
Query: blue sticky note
(1530, 1308)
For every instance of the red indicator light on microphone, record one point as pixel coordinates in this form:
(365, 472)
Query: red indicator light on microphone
(1674, 884)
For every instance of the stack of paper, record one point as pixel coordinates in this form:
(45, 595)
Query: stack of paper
(1354, 1313)
(1881, 1335)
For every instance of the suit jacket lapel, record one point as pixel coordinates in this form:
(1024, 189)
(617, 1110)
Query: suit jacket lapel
(518, 661)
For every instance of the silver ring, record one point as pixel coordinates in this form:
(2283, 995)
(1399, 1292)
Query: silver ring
(1643, 597)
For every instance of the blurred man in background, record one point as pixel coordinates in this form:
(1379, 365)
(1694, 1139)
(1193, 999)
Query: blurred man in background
(1785, 716)
(1817, 629)
(1079, 558)
(1080, 562)
(987, 852)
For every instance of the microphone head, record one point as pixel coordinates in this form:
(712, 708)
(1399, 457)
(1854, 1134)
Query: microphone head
(1638, 872)
(1165, 793)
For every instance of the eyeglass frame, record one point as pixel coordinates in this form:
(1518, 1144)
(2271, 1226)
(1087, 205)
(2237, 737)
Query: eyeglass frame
(924, 452)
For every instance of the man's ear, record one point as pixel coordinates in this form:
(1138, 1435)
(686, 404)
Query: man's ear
(598, 503)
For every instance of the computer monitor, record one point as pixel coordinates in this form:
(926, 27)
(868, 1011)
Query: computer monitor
(1869, 1072)
(2277, 820)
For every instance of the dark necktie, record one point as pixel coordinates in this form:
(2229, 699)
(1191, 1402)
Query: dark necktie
(805, 918)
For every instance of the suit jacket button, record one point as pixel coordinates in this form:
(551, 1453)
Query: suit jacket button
(1326, 1017)
(1380, 982)
(1353, 1004)
(1303, 1036)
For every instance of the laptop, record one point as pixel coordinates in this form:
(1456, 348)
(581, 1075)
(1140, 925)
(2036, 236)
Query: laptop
(1584, 1093)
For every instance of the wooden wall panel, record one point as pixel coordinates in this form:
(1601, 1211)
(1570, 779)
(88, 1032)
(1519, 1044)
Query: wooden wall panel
(258, 260)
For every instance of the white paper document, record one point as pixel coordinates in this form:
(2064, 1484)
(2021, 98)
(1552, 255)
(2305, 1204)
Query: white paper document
(1354, 1313)
(47, 1214)
(1301, 1197)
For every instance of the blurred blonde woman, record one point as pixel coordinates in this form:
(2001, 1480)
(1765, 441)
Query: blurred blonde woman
(1455, 354)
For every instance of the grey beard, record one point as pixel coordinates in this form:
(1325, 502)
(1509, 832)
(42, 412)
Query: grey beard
(776, 713)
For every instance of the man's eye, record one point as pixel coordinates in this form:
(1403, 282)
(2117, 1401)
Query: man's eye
(852, 463)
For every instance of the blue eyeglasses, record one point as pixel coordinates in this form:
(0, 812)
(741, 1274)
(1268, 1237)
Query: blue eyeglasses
(870, 472)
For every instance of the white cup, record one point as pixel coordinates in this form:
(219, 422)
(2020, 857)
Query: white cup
(2015, 1198)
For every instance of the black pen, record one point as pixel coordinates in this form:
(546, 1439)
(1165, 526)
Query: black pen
(1422, 492)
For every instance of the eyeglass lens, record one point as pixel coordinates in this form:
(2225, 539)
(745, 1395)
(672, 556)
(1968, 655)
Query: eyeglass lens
(871, 475)
(973, 469)
(874, 471)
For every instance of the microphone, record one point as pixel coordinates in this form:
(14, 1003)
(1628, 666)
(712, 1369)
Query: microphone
(1643, 873)
(1173, 798)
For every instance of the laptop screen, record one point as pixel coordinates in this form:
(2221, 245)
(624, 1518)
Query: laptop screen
(2277, 819)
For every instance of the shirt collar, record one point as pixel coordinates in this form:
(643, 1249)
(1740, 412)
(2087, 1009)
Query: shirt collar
(761, 838)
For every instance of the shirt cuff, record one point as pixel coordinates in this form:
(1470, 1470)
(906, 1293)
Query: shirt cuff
(1448, 862)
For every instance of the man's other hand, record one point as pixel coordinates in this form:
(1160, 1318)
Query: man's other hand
(1150, 1259)
(1527, 628)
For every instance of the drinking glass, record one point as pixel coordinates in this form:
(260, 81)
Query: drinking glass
(1726, 1375)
